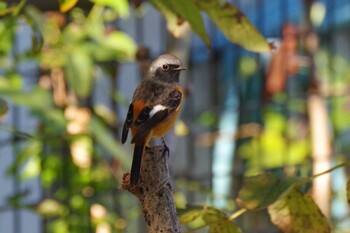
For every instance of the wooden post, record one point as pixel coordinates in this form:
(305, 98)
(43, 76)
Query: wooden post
(154, 192)
(321, 152)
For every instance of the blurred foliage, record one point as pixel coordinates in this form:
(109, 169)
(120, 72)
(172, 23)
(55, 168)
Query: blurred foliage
(262, 190)
(289, 209)
(334, 73)
(281, 143)
(235, 25)
(74, 149)
(228, 18)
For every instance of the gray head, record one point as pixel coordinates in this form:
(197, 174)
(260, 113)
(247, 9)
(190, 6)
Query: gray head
(166, 68)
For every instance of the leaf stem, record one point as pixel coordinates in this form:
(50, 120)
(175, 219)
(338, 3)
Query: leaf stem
(237, 214)
(330, 170)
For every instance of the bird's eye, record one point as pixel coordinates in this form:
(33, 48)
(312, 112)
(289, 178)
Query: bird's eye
(165, 67)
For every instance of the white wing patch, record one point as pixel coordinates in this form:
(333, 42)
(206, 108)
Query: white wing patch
(156, 109)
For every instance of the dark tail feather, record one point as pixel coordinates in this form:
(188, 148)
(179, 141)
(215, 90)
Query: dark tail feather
(136, 164)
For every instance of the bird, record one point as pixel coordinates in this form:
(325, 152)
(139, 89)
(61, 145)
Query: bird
(154, 107)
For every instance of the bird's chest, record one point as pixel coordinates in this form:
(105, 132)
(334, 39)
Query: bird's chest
(162, 128)
(151, 92)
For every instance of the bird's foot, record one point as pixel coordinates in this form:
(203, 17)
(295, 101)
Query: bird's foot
(166, 147)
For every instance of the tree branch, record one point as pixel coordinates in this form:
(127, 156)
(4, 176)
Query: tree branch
(154, 192)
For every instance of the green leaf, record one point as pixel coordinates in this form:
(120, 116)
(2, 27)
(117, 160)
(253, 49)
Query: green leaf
(66, 5)
(297, 212)
(3, 5)
(29, 158)
(262, 190)
(79, 71)
(106, 140)
(32, 167)
(122, 44)
(215, 219)
(12, 81)
(3, 107)
(7, 35)
(120, 6)
(59, 225)
(36, 98)
(235, 25)
(4, 10)
(51, 167)
(188, 10)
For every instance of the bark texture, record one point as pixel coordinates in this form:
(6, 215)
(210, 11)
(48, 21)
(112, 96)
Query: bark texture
(154, 192)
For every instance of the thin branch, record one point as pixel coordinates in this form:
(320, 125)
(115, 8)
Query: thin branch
(330, 170)
(309, 179)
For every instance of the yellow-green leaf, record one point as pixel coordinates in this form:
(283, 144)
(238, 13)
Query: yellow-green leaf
(122, 44)
(215, 219)
(264, 189)
(190, 216)
(31, 168)
(119, 6)
(28, 160)
(170, 16)
(4, 9)
(12, 82)
(297, 212)
(66, 5)
(235, 25)
(188, 10)
(224, 226)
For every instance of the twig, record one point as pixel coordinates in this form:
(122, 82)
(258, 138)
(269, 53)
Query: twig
(330, 170)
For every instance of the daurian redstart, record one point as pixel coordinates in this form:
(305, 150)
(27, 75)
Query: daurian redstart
(155, 105)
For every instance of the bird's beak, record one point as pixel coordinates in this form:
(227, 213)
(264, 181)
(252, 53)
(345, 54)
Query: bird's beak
(180, 68)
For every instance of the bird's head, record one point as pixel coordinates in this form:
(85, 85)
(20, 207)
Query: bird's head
(166, 68)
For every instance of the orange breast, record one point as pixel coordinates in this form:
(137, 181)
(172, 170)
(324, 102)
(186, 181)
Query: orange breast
(163, 127)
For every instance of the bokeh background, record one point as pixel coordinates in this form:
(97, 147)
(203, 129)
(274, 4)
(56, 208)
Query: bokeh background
(285, 112)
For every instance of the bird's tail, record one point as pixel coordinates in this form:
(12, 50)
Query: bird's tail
(136, 164)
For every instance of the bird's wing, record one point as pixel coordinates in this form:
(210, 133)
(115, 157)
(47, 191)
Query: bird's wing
(127, 123)
(151, 116)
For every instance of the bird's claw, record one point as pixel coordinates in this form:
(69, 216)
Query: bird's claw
(166, 147)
